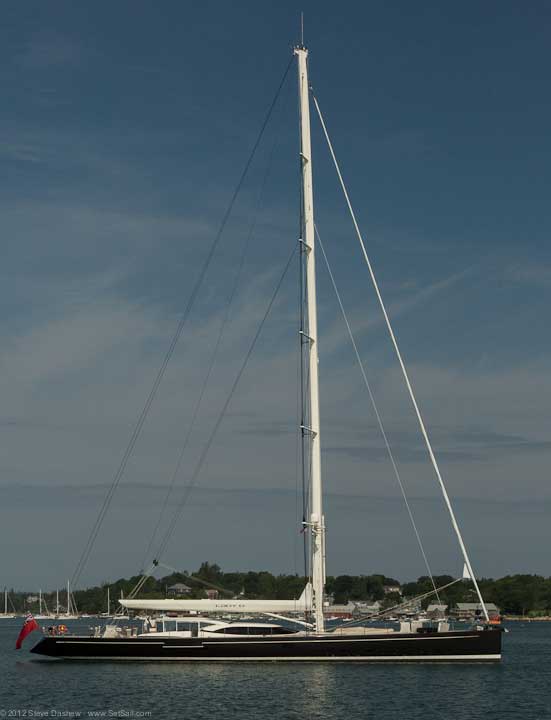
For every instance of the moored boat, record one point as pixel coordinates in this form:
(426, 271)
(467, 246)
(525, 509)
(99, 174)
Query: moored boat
(206, 639)
(215, 641)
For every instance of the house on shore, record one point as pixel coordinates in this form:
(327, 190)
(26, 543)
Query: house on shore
(179, 589)
(340, 611)
(471, 611)
(437, 611)
(394, 589)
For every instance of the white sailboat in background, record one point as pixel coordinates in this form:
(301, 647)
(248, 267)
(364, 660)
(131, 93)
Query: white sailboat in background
(6, 615)
(205, 639)
(107, 614)
(70, 613)
(42, 615)
(121, 615)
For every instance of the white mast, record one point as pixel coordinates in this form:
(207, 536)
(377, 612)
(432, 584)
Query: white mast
(5, 601)
(316, 520)
(68, 598)
(108, 602)
(40, 602)
(57, 602)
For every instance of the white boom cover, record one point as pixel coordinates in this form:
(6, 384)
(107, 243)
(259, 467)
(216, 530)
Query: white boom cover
(304, 603)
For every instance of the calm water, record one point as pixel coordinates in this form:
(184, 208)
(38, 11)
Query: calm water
(518, 688)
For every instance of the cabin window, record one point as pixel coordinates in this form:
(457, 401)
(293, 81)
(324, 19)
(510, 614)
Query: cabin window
(252, 630)
(233, 630)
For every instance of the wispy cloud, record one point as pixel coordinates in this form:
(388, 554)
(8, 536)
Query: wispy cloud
(21, 152)
(411, 300)
(47, 49)
(530, 274)
(453, 447)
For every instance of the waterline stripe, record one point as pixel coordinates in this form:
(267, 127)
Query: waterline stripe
(381, 658)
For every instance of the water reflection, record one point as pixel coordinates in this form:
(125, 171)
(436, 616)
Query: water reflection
(516, 689)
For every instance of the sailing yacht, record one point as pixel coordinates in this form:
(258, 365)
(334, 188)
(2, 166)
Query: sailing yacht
(41, 605)
(202, 638)
(70, 613)
(6, 615)
(107, 614)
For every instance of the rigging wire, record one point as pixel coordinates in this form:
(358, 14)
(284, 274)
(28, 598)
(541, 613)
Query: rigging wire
(217, 345)
(405, 603)
(146, 574)
(179, 509)
(402, 365)
(376, 411)
(200, 580)
(160, 374)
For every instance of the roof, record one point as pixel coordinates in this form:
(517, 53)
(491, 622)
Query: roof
(476, 606)
(179, 586)
(349, 607)
(436, 607)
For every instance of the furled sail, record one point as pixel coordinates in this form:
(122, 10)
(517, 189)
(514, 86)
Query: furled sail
(236, 605)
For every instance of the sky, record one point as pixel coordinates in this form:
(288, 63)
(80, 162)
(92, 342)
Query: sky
(124, 129)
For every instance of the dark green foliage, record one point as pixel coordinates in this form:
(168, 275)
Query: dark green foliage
(513, 594)
(520, 594)
(358, 587)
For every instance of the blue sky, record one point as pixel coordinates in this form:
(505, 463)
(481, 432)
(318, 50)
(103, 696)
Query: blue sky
(123, 131)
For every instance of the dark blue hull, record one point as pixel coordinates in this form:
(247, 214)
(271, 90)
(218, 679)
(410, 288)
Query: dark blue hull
(460, 646)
